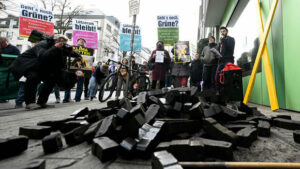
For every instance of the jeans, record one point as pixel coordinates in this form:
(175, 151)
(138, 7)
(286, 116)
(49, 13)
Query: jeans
(169, 80)
(93, 87)
(209, 77)
(56, 92)
(120, 84)
(20, 97)
(79, 89)
(67, 95)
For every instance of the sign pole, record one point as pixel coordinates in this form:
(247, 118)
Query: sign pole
(130, 56)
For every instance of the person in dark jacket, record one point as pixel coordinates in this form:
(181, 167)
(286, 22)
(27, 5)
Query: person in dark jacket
(181, 72)
(226, 49)
(43, 62)
(159, 70)
(196, 72)
(98, 76)
(210, 62)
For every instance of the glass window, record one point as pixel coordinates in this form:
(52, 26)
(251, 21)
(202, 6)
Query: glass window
(245, 33)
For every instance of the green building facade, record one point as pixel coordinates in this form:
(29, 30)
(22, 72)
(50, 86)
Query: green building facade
(242, 19)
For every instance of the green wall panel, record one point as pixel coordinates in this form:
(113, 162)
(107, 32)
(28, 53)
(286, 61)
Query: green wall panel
(291, 27)
(228, 11)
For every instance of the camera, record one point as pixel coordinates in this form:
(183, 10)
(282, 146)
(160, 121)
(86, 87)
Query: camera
(37, 36)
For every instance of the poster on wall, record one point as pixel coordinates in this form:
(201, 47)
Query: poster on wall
(125, 38)
(87, 60)
(32, 17)
(87, 31)
(182, 52)
(168, 29)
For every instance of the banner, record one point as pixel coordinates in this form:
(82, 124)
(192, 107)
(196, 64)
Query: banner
(125, 38)
(87, 58)
(182, 52)
(168, 29)
(35, 18)
(87, 31)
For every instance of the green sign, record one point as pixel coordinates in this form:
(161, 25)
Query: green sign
(168, 29)
(168, 35)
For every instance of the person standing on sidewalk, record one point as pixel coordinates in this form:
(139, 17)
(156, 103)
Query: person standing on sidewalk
(196, 72)
(98, 76)
(160, 68)
(226, 49)
(210, 65)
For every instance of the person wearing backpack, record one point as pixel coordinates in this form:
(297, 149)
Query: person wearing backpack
(226, 49)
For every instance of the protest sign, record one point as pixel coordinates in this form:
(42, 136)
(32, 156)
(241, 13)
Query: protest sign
(182, 52)
(168, 29)
(159, 58)
(87, 31)
(125, 38)
(32, 17)
(87, 60)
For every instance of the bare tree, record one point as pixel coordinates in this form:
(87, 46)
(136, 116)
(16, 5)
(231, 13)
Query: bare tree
(66, 15)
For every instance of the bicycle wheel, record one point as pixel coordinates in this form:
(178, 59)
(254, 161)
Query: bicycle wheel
(108, 87)
(142, 83)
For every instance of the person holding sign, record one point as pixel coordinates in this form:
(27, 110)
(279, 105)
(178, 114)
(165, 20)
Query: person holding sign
(161, 58)
(180, 70)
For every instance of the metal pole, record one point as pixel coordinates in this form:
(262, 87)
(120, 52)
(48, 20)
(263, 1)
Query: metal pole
(239, 165)
(130, 56)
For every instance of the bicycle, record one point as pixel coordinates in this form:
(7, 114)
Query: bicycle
(138, 84)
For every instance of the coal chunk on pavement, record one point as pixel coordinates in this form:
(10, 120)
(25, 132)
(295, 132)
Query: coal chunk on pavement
(264, 128)
(151, 113)
(286, 124)
(76, 136)
(218, 149)
(35, 132)
(219, 132)
(163, 159)
(80, 112)
(296, 136)
(52, 143)
(13, 146)
(105, 149)
(247, 136)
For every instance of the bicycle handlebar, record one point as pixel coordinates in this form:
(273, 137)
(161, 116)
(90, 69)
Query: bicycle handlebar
(125, 66)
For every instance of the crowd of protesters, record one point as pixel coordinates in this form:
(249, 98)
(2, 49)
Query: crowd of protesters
(202, 72)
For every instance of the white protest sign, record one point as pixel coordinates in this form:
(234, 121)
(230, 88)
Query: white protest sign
(159, 58)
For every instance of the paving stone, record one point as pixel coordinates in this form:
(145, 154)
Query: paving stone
(76, 136)
(105, 149)
(143, 130)
(90, 133)
(126, 104)
(94, 115)
(13, 146)
(163, 146)
(247, 136)
(113, 103)
(151, 113)
(52, 143)
(142, 98)
(178, 106)
(54, 124)
(257, 118)
(107, 126)
(157, 92)
(80, 112)
(187, 150)
(176, 126)
(219, 132)
(286, 124)
(71, 125)
(134, 124)
(138, 109)
(213, 110)
(264, 128)
(197, 111)
(172, 96)
(296, 136)
(246, 122)
(35, 132)
(237, 127)
(218, 149)
(244, 108)
(162, 159)
(123, 116)
(127, 147)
